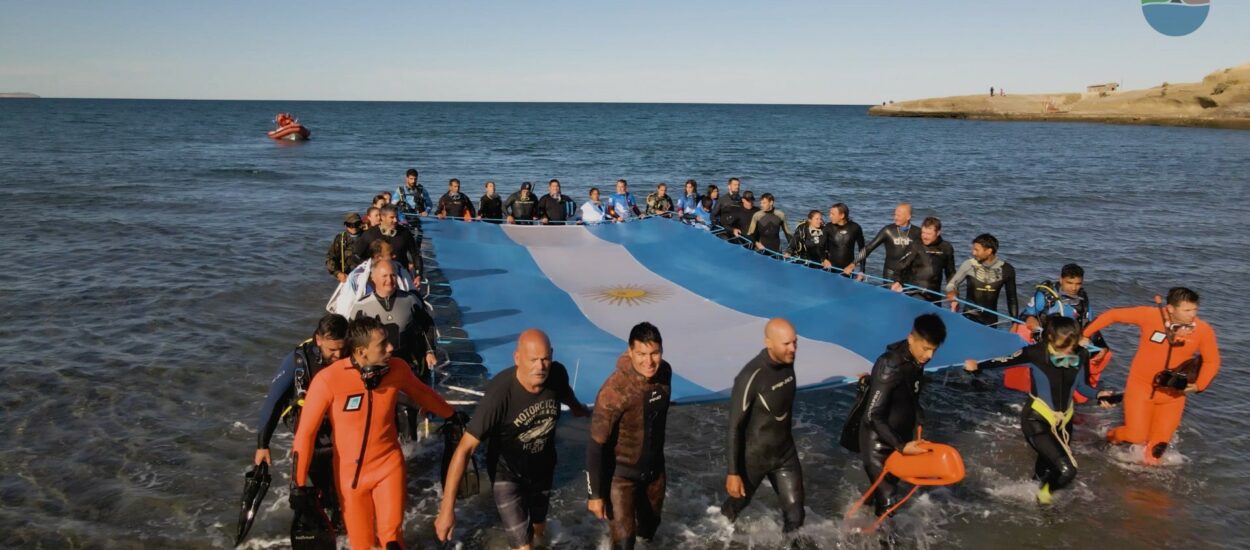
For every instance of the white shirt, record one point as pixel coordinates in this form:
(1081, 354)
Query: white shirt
(357, 285)
(592, 212)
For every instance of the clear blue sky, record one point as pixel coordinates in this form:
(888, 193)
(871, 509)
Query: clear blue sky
(734, 51)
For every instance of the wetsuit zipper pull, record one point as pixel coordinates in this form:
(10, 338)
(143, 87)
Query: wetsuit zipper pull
(364, 440)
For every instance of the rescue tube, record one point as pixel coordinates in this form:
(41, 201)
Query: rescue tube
(939, 465)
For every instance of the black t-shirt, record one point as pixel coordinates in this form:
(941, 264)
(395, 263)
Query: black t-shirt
(519, 427)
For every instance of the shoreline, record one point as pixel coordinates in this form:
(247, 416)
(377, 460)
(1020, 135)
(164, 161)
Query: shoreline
(1125, 120)
(1221, 100)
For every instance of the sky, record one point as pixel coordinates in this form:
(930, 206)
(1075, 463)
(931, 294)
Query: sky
(731, 51)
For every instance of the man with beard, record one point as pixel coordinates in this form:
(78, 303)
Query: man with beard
(453, 203)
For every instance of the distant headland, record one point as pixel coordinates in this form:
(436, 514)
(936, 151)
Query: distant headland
(18, 95)
(1221, 100)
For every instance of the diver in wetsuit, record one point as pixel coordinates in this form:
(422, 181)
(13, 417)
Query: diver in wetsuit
(941, 260)
(897, 238)
(987, 276)
(736, 218)
(286, 399)
(555, 206)
(490, 206)
(733, 197)
(809, 239)
(453, 203)
(409, 328)
(767, 225)
(892, 417)
(411, 197)
(521, 206)
(842, 238)
(1058, 364)
(625, 474)
(1065, 297)
(760, 442)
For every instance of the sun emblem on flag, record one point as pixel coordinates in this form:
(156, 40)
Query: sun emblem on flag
(627, 295)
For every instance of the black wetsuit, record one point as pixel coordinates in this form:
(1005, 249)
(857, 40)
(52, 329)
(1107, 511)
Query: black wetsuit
(897, 243)
(555, 209)
(403, 246)
(760, 441)
(522, 209)
(891, 415)
(766, 228)
(808, 243)
(1050, 396)
(941, 266)
(924, 266)
(913, 267)
(718, 209)
(985, 283)
(735, 216)
(454, 206)
(841, 241)
(490, 207)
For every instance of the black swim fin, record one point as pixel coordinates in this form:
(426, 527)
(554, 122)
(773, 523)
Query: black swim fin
(849, 439)
(310, 527)
(255, 485)
(453, 430)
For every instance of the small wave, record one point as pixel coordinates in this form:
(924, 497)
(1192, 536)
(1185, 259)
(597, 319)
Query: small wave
(256, 174)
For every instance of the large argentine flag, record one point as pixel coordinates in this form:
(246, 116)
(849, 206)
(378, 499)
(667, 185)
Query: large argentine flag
(586, 286)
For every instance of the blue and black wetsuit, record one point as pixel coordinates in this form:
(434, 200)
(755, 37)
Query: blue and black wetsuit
(283, 403)
(413, 200)
(761, 444)
(1047, 416)
(1049, 300)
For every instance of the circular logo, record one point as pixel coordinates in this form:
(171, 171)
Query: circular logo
(1175, 17)
(627, 295)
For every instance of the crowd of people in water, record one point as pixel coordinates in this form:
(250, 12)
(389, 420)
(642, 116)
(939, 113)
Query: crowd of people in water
(363, 377)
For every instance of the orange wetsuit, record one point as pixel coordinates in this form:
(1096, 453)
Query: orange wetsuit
(1152, 416)
(368, 460)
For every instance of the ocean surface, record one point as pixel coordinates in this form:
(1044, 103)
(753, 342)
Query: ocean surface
(164, 255)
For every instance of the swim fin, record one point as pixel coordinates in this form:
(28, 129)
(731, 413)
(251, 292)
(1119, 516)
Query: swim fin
(255, 485)
(850, 431)
(1043, 495)
(310, 527)
(453, 430)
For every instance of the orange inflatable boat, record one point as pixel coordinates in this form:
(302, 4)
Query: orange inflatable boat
(289, 128)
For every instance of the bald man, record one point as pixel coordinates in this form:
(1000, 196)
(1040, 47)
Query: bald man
(760, 443)
(897, 238)
(517, 417)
